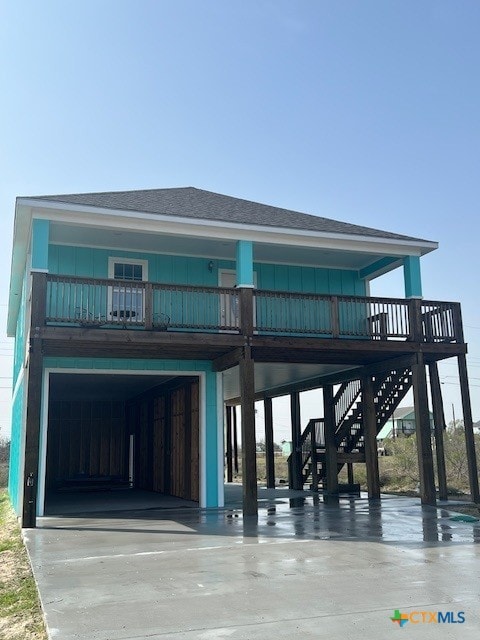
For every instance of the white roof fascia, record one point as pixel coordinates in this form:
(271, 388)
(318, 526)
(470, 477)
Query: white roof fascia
(21, 239)
(95, 216)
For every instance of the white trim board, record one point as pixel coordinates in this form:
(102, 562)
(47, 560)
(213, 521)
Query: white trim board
(44, 421)
(97, 216)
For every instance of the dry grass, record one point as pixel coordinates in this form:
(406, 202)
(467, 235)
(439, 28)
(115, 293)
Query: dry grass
(20, 613)
(281, 469)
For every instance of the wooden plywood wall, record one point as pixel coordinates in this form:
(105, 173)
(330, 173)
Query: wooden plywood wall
(92, 439)
(166, 426)
(158, 444)
(86, 439)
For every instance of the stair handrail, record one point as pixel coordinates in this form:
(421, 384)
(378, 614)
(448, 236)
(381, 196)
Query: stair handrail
(346, 396)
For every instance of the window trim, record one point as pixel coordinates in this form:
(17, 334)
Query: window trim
(112, 261)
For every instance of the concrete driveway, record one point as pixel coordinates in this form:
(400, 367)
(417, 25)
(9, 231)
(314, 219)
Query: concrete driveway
(305, 570)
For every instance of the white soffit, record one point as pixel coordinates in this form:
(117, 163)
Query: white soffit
(204, 247)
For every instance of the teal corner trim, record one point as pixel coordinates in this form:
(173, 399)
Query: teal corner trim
(15, 471)
(211, 441)
(245, 263)
(40, 237)
(412, 277)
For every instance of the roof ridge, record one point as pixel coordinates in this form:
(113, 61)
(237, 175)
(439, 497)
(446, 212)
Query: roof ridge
(106, 193)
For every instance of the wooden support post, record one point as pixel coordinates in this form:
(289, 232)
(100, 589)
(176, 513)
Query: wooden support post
(246, 311)
(350, 475)
(468, 427)
(32, 437)
(269, 450)
(249, 445)
(228, 442)
(235, 439)
(439, 422)
(334, 316)
(148, 306)
(34, 401)
(296, 481)
(370, 435)
(415, 320)
(331, 462)
(314, 457)
(424, 438)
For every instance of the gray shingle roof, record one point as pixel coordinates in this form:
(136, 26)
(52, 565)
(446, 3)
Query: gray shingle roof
(190, 202)
(402, 412)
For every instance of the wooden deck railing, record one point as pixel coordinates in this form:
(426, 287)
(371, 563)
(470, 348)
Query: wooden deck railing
(94, 302)
(121, 303)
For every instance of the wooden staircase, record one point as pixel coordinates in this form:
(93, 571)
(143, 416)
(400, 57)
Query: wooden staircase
(389, 388)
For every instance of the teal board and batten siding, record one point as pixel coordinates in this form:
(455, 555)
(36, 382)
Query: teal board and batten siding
(93, 263)
(202, 309)
(305, 315)
(309, 280)
(15, 471)
(212, 442)
(20, 337)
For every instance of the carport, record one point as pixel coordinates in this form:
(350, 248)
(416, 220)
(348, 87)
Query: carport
(304, 569)
(120, 441)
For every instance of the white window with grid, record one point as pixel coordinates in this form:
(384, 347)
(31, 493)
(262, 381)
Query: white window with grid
(127, 300)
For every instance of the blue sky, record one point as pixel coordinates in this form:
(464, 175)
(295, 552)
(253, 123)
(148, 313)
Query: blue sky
(361, 111)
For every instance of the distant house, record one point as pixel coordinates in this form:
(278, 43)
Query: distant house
(402, 423)
(286, 448)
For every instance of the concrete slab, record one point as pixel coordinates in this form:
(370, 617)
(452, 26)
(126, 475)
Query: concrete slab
(101, 502)
(305, 569)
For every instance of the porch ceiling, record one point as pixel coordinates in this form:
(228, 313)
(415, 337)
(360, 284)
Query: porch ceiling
(209, 248)
(100, 386)
(274, 375)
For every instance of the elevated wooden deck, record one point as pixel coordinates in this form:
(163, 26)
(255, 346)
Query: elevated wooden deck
(113, 318)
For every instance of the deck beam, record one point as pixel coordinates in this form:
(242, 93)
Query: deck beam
(227, 360)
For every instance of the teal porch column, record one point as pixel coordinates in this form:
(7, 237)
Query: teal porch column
(245, 263)
(40, 237)
(412, 277)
